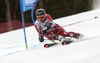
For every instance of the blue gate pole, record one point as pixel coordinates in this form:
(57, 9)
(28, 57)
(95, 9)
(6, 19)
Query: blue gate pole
(22, 13)
(24, 30)
(33, 10)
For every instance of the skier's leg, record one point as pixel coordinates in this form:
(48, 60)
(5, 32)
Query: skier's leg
(60, 31)
(71, 34)
(54, 36)
(63, 39)
(51, 35)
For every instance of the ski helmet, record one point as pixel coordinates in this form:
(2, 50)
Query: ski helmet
(40, 12)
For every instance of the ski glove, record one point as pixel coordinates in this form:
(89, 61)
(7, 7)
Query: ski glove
(46, 27)
(44, 31)
(41, 38)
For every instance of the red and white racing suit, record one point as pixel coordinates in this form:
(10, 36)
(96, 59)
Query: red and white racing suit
(52, 34)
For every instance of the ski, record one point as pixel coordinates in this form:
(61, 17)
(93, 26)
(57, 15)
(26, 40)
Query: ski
(67, 42)
(52, 44)
(49, 45)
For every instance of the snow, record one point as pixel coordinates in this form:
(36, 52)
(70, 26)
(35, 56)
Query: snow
(12, 44)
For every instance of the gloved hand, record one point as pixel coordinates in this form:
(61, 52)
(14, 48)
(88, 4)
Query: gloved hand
(44, 31)
(41, 38)
(46, 27)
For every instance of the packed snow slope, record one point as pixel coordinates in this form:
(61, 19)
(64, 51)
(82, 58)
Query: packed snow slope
(12, 44)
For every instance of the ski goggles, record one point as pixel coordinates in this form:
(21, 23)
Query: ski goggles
(40, 17)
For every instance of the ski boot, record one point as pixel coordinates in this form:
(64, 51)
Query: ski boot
(63, 40)
(79, 36)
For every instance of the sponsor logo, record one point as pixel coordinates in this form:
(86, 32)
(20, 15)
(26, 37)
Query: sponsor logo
(65, 33)
(71, 35)
(50, 36)
(28, 7)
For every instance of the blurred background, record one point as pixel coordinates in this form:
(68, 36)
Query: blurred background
(10, 13)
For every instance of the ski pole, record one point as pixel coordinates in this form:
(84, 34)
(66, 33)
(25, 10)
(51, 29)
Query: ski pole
(75, 23)
(70, 25)
(50, 40)
(53, 41)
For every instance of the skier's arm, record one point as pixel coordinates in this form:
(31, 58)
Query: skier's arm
(36, 28)
(49, 17)
(46, 27)
(41, 38)
(50, 24)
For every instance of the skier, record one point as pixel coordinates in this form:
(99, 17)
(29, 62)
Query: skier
(46, 27)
